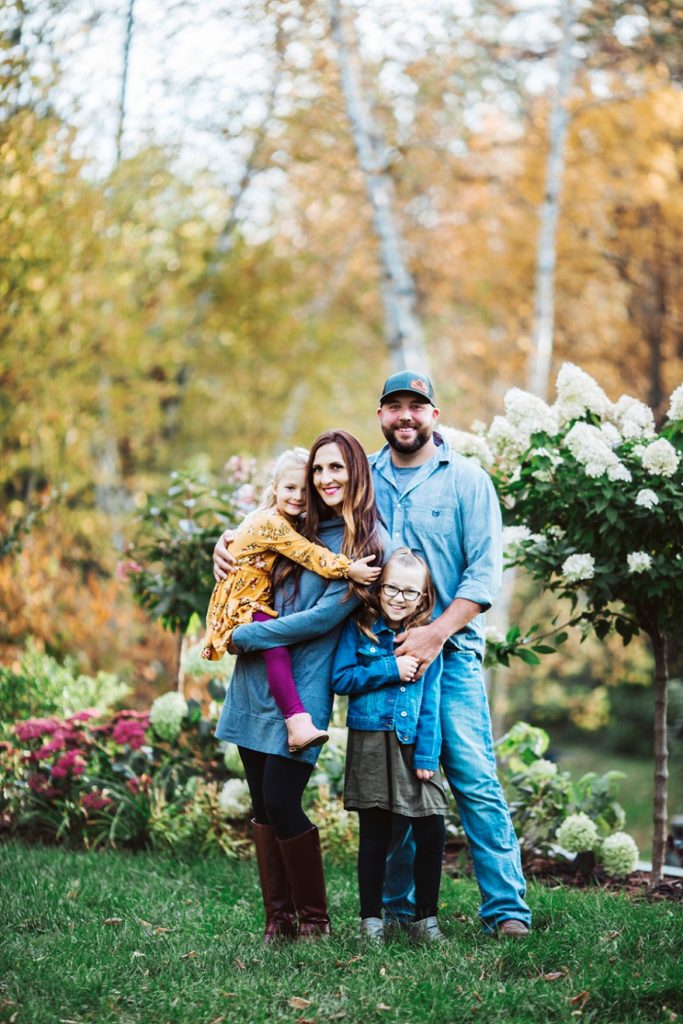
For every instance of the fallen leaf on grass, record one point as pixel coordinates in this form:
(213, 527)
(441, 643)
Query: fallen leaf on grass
(382, 971)
(581, 998)
(382, 1006)
(553, 975)
(305, 1020)
(217, 1020)
(239, 964)
(227, 995)
(351, 960)
(298, 1003)
(113, 920)
(136, 954)
(145, 924)
(189, 956)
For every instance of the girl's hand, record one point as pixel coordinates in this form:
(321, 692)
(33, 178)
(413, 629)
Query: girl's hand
(360, 572)
(423, 774)
(407, 667)
(223, 562)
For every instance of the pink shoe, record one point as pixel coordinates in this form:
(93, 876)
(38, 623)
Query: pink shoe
(302, 734)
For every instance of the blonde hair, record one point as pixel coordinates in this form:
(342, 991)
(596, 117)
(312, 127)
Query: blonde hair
(422, 612)
(297, 457)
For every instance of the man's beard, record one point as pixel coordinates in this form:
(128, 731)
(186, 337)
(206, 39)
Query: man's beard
(422, 436)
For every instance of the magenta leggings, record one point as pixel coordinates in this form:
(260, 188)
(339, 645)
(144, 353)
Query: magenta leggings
(279, 675)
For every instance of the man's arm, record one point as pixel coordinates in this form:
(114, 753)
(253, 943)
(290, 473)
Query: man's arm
(425, 642)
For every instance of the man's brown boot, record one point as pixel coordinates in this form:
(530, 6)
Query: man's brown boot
(513, 929)
(277, 896)
(304, 866)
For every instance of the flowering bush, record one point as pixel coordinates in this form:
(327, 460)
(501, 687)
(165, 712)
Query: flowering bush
(133, 778)
(577, 833)
(594, 490)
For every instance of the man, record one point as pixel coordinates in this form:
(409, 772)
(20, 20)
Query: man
(444, 507)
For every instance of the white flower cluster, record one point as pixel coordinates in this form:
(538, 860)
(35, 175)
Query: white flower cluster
(639, 561)
(577, 833)
(506, 441)
(647, 498)
(577, 568)
(578, 393)
(234, 799)
(469, 445)
(232, 759)
(514, 535)
(166, 715)
(541, 770)
(676, 404)
(633, 418)
(619, 854)
(589, 447)
(660, 458)
(529, 414)
(493, 635)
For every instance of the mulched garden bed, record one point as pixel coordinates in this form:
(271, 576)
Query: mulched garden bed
(554, 873)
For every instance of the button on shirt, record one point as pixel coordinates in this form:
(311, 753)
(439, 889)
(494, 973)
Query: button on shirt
(448, 512)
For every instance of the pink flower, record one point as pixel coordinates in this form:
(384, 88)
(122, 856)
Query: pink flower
(96, 800)
(55, 744)
(127, 568)
(130, 731)
(83, 716)
(32, 728)
(69, 762)
(40, 785)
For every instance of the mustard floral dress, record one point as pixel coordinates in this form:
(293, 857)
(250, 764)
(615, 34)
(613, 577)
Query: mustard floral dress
(259, 540)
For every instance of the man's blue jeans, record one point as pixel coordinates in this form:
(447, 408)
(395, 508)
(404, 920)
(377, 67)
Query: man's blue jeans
(469, 763)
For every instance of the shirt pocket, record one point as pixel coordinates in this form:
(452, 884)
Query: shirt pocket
(435, 518)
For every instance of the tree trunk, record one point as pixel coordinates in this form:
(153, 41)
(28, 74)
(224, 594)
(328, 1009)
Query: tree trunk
(180, 661)
(402, 326)
(546, 256)
(127, 41)
(660, 648)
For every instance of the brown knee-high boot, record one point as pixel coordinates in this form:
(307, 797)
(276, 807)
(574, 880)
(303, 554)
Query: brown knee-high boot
(277, 896)
(304, 866)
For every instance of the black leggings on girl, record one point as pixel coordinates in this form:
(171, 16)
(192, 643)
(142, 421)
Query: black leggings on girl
(375, 837)
(276, 785)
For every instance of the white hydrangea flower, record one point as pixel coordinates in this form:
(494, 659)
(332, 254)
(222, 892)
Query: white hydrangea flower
(529, 414)
(660, 458)
(619, 854)
(639, 561)
(578, 393)
(541, 770)
(577, 568)
(588, 447)
(556, 532)
(505, 441)
(166, 715)
(619, 472)
(611, 435)
(234, 799)
(577, 833)
(493, 634)
(514, 535)
(634, 419)
(470, 445)
(647, 498)
(676, 404)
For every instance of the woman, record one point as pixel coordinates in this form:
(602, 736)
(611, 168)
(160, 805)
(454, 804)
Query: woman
(342, 515)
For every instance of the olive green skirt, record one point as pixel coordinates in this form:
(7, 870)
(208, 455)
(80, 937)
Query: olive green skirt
(379, 773)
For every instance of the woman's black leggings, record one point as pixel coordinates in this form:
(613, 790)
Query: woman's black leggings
(276, 785)
(375, 837)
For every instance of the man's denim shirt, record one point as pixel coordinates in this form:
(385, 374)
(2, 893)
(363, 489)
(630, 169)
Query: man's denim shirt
(450, 515)
(367, 671)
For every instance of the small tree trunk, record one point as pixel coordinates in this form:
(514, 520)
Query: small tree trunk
(180, 662)
(659, 645)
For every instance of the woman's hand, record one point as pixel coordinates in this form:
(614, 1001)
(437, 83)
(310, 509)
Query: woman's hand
(423, 774)
(223, 562)
(407, 667)
(360, 572)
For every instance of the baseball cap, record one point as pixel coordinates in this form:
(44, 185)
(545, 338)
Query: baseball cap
(408, 380)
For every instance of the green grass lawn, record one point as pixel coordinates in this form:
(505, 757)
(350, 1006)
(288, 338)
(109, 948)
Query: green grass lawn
(635, 791)
(111, 937)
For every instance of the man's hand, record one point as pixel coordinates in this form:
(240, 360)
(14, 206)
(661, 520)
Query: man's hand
(223, 562)
(423, 643)
(423, 774)
(407, 667)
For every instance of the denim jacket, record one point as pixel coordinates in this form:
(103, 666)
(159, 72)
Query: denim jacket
(367, 671)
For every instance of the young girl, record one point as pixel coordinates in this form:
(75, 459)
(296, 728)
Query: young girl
(247, 593)
(394, 742)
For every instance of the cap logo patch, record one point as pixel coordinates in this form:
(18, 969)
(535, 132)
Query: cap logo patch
(419, 385)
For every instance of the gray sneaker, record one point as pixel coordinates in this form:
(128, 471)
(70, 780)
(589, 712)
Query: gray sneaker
(372, 929)
(427, 930)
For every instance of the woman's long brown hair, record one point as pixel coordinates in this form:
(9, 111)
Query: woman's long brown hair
(359, 511)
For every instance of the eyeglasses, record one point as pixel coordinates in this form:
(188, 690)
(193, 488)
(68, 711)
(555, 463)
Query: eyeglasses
(407, 593)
